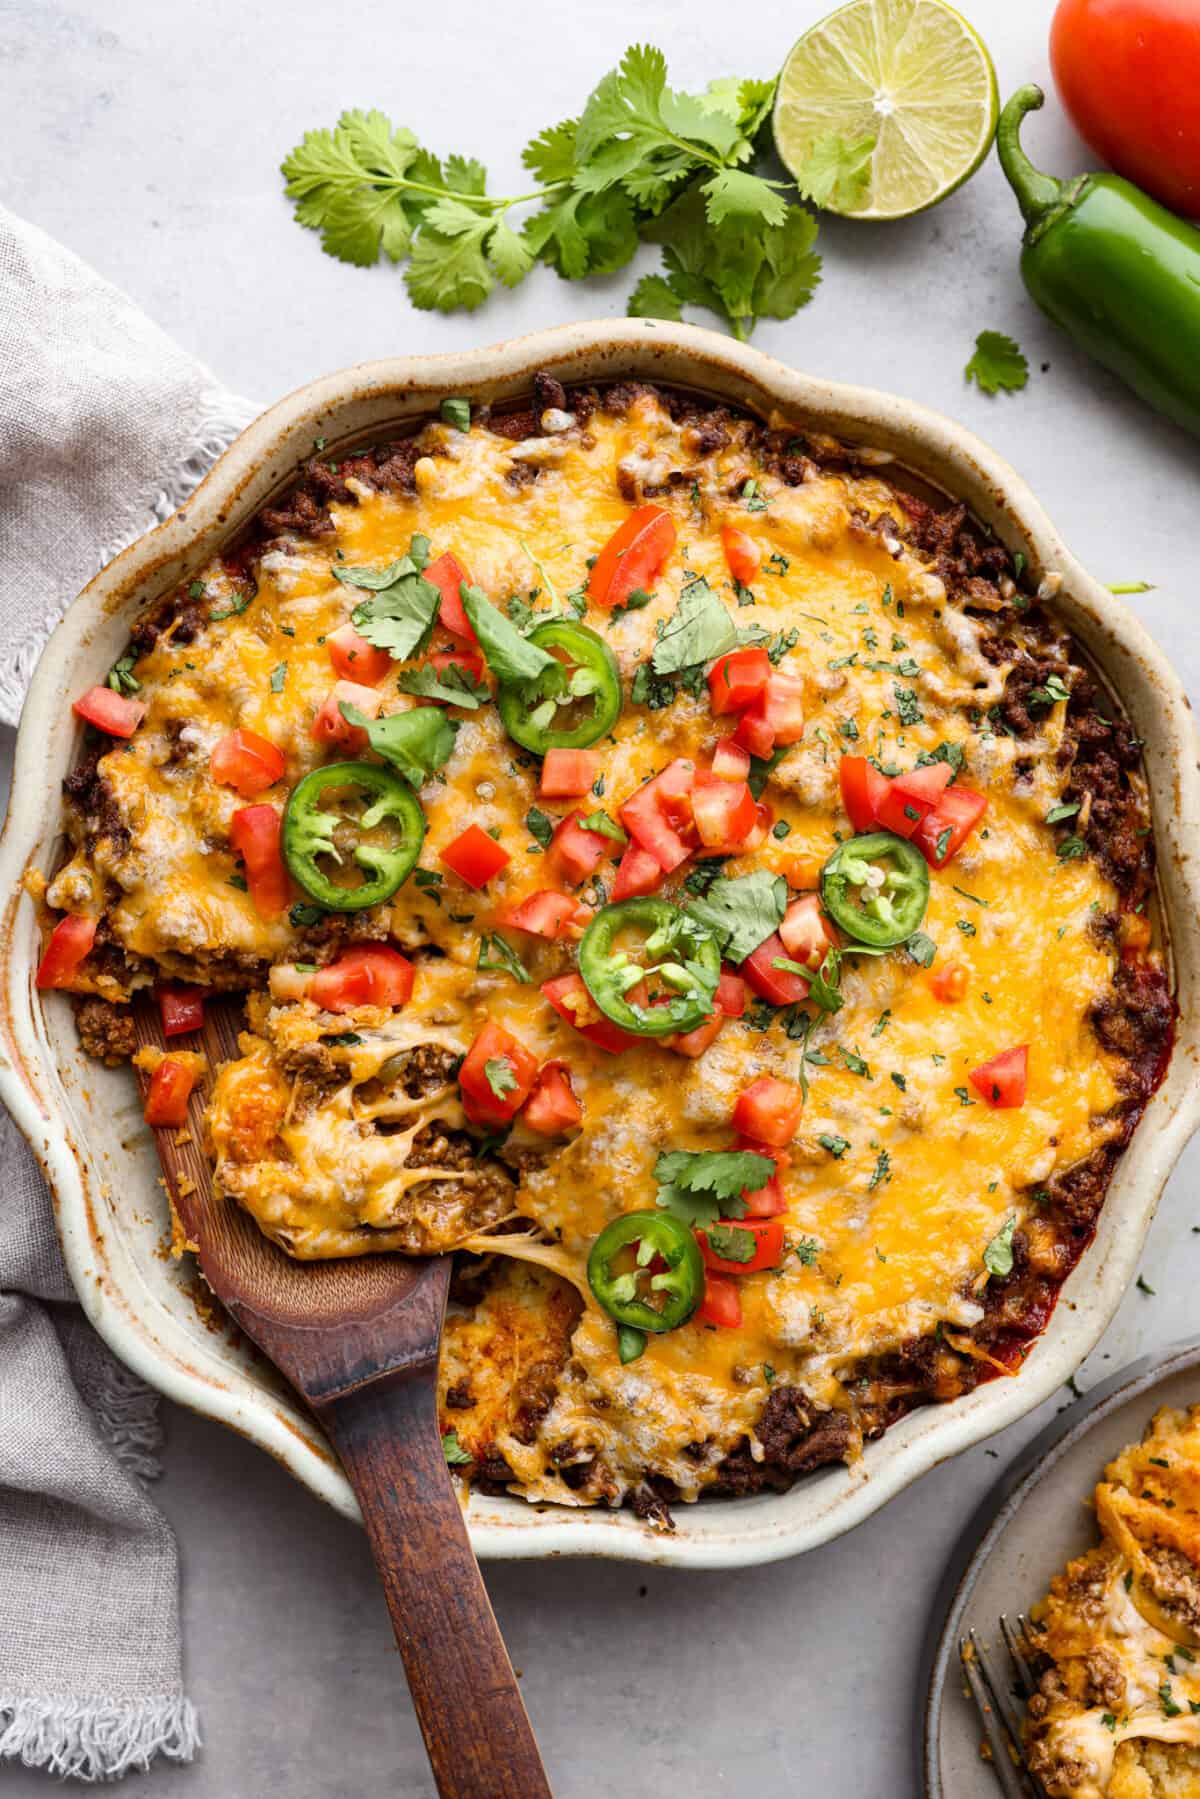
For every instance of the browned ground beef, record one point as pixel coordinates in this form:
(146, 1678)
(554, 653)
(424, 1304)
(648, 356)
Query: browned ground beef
(92, 800)
(796, 1436)
(106, 1031)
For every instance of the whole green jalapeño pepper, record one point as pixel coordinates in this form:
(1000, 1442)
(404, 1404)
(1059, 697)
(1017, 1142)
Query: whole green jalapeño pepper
(636, 1297)
(876, 887)
(314, 837)
(585, 702)
(681, 966)
(1114, 269)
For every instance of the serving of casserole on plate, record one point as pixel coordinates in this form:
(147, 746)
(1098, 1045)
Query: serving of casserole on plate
(672, 854)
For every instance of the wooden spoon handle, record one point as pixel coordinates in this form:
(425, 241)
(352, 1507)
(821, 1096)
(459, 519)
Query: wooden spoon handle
(477, 1734)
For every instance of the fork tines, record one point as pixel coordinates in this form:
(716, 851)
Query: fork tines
(994, 1701)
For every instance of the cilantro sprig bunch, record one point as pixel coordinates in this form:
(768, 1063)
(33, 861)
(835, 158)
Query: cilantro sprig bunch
(641, 162)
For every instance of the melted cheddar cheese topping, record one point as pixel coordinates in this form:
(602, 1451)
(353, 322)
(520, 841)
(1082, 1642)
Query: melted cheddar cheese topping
(900, 1175)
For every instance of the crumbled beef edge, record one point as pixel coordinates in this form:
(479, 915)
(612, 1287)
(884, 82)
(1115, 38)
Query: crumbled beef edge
(1135, 1021)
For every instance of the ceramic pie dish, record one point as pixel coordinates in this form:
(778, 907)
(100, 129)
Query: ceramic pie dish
(84, 1121)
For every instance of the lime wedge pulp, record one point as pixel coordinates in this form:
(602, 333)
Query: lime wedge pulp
(910, 73)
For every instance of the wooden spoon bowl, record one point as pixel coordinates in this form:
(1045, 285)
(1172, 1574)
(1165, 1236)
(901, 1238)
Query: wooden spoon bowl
(359, 1339)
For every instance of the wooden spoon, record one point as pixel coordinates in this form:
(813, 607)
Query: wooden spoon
(359, 1340)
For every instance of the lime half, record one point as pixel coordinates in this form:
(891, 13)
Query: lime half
(913, 75)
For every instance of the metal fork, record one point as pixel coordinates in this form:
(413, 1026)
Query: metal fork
(994, 1698)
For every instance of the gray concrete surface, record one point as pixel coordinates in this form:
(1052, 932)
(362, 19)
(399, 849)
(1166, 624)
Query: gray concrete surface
(147, 136)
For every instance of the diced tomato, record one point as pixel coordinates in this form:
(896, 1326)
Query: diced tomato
(766, 1201)
(448, 575)
(754, 734)
(552, 1108)
(912, 797)
(246, 762)
(736, 680)
(469, 661)
(958, 812)
(574, 852)
(546, 913)
(660, 811)
(725, 813)
(181, 1008)
(784, 702)
(572, 1001)
(742, 556)
(722, 1303)
(731, 994)
(693, 1043)
(768, 1246)
(568, 774)
(632, 556)
(513, 1069)
(171, 1087)
(254, 833)
(777, 985)
(949, 983)
(110, 711)
(764, 818)
(474, 856)
(1003, 1080)
(638, 873)
(730, 761)
(775, 719)
(354, 659)
(330, 728)
(864, 790)
(805, 933)
(769, 1111)
(367, 974)
(70, 942)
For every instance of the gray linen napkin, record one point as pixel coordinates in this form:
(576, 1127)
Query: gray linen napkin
(105, 427)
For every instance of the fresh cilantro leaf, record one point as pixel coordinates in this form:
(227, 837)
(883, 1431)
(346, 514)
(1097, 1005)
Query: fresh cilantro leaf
(454, 685)
(456, 1456)
(741, 912)
(882, 1171)
(1071, 848)
(731, 1242)
(952, 754)
(998, 1256)
(701, 1186)
(854, 1062)
(807, 1250)
(343, 1040)
(1051, 693)
(499, 957)
(301, 915)
(654, 298)
(738, 269)
(908, 706)
(416, 743)
(837, 170)
(400, 615)
(699, 630)
(998, 364)
(1067, 809)
(540, 825)
(498, 1072)
(837, 1146)
(511, 657)
(278, 677)
(603, 826)
(921, 948)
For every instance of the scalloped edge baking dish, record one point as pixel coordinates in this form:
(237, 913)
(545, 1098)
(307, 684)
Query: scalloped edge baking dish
(84, 1121)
